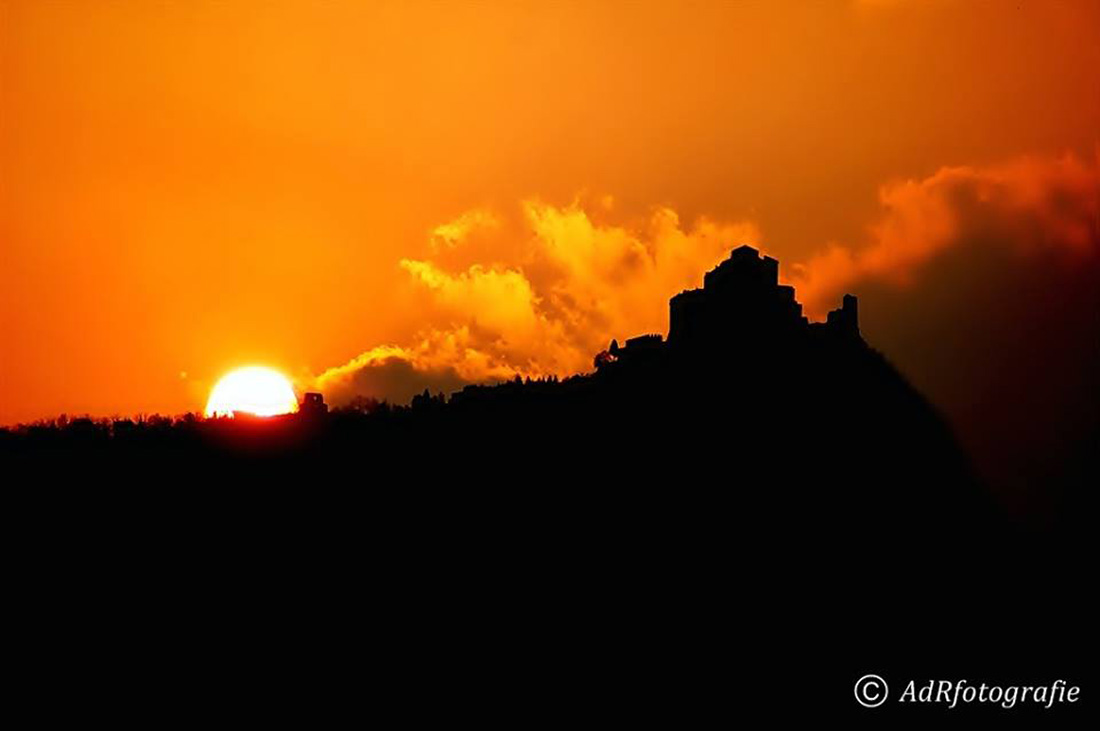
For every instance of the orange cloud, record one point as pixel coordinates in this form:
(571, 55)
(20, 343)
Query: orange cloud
(1031, 205)
(576, 284)
(451, 234)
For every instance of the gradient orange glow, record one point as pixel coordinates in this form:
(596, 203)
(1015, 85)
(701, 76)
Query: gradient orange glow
(378, 197)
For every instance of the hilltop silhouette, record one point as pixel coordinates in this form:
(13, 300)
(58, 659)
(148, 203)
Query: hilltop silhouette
(754, 484)
(746, 399)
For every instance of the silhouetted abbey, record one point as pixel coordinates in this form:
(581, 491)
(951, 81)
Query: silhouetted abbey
(741, 302)
(742, 297)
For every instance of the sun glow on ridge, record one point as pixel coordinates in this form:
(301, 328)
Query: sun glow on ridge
(252, 390)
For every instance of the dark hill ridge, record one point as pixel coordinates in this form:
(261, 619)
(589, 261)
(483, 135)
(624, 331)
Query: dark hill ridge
(746, 395)
(747, 408)
(757, 503)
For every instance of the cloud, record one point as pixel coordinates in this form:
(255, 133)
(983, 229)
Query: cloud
(1031, 206)
(575, 283)
(440, 362)
(451, 234)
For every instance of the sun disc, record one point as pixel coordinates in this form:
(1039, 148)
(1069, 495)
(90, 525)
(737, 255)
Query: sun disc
(252, 390)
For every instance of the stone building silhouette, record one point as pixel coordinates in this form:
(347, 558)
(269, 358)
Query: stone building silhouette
(739, 298)
(741, 301)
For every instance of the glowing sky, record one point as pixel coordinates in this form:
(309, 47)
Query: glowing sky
(477, 189)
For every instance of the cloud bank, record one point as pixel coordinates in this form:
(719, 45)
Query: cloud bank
(1031, 207)
(576, 282)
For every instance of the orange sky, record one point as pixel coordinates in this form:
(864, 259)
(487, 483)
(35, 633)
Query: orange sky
(189, 187)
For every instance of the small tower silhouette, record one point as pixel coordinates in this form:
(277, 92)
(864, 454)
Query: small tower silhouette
(313, 404)
(846, 320)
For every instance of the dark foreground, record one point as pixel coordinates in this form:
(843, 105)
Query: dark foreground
(699, 531)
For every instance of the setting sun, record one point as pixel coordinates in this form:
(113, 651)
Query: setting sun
(252, 390)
